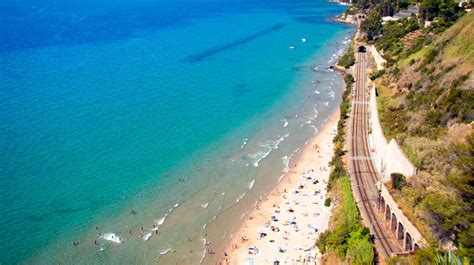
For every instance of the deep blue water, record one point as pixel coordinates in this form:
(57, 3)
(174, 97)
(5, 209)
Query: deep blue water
(99, 99)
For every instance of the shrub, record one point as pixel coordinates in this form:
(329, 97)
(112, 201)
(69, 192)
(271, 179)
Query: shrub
(360, 252)
(327, 202)
(398, 181)
(377, 74)
(348, 59)
(348, 240)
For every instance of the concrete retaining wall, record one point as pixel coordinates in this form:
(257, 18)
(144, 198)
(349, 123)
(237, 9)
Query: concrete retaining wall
(379, 60)
(388, 156)
(408, 235)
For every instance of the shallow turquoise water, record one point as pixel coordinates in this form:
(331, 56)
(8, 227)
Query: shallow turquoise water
(105, 107)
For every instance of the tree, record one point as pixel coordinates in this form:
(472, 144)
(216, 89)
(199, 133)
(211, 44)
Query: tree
(446, 10)
(372, 25)
(398, 181)
(363, 4)
(387, 8)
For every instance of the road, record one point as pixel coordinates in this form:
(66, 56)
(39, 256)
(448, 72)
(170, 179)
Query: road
(361, 167)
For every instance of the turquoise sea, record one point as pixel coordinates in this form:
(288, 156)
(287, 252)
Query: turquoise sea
(157, 114)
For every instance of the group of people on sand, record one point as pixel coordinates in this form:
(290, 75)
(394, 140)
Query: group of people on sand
(275, 225)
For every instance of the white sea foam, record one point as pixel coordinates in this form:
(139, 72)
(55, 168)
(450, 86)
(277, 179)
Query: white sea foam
(285, 122)
(112, 238)
(280, 178)
(286, 164)
(259, 156)
(251, 184)
(244, 143)
(267, 148)
(240, 197)
(316, 92)
(314, 127)
(203, 253)
(164, 251)
(161, 220)
(204, 205)
(331, 94)
(326, 103)
(176, 205)
(147, 236)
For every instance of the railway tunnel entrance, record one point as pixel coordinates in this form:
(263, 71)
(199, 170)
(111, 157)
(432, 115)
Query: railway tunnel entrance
(361, 49)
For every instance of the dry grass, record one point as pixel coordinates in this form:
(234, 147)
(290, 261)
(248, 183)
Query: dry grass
(461, 40)
(433, 128)
(459, 131)
(406, 205)
(331, 258)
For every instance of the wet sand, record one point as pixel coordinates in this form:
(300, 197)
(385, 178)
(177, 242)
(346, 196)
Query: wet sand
(284, 225)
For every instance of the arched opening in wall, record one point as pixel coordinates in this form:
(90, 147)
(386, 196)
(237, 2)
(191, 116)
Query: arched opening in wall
(394, 222)
(415, 247)
(401, 232)
(379, 197)
(361, 49)
(408, 243)
(387, 213)
(382, 204)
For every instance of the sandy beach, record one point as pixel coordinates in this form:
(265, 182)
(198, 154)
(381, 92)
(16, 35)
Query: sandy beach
(284, 225)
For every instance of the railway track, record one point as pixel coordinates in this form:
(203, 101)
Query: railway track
(363, 170)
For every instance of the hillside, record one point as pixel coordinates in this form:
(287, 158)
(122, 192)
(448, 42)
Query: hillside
(426, 100)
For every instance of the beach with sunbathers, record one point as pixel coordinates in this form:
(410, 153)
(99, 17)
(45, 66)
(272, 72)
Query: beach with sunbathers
(284, 226)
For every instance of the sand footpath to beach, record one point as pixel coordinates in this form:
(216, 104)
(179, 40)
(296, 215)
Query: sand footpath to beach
(283, 227)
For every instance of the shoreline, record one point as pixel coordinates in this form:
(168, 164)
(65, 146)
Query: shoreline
(293, 223)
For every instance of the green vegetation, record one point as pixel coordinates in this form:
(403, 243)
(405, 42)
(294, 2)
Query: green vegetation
(327, 202)
(387, 7)
(377, 74)
(426, 101)
(389, 37)
(398, 181)
(348, 239)
(430, 256)
(443, 12)
(372, 25)
(391, 40)
(348, 59)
